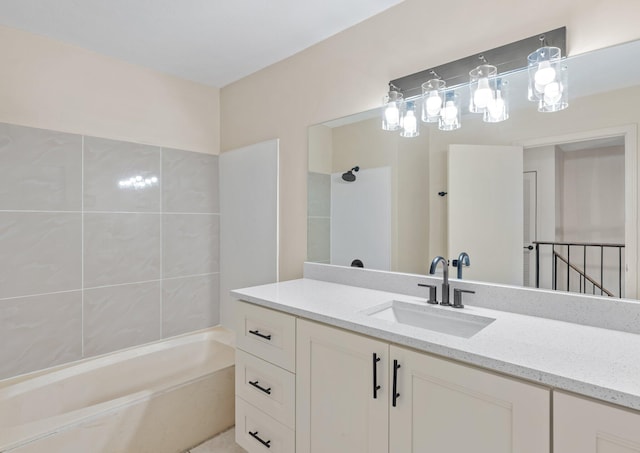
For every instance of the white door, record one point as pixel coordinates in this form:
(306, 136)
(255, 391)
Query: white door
(486, 211)
(335, 406)
(529, 190)
(451, 408)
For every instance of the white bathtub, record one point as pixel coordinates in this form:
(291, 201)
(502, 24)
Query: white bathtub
(162, 397)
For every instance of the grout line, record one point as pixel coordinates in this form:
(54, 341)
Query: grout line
(28, 211)
(41, 294)
(104, 212)
(193, 275)
(82, 242)
(82, 289)
(161, 301)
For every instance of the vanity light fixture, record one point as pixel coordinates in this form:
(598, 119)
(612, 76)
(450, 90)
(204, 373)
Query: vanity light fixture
(409, 120)
(439, 91)
(548, 79)
(391, 111)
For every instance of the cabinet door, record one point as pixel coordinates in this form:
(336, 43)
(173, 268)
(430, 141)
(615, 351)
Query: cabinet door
(446, 407)
(584, 426)
(335, 406)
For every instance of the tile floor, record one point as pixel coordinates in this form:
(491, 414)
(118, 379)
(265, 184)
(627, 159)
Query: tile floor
(222, 443)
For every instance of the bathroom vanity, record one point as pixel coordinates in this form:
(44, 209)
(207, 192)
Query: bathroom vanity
(367, 379)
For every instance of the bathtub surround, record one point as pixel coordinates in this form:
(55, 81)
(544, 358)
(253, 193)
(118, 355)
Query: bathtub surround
(93, 261)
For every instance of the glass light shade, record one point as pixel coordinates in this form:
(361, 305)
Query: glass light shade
(547, 79)
(409, 120)
(432, 100)
(450, 114)
(555, 96)
(391, 105)
(482, 85)
(498, 106)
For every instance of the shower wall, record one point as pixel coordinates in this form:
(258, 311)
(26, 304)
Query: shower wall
(103, 245)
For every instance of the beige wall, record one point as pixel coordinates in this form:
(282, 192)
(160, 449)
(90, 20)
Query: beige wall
(52, 85)
(348, 73)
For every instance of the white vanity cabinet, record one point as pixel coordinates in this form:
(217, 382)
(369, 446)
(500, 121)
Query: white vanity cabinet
(585, 426)
(443, 406)
(439, 405)
(265, 379)
(337, 411)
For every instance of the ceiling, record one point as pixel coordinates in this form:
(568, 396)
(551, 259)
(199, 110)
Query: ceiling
(213, 42)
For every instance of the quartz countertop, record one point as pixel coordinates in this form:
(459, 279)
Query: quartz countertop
(591, 361)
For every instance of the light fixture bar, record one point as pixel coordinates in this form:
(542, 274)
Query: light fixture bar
(506, 58)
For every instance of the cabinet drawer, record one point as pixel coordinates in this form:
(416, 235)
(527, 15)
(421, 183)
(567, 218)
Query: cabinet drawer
(256, 432)
(267, 334)
(266, 386)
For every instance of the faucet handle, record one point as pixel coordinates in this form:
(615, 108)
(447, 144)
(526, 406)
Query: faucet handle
(433, 293)
(457, 297)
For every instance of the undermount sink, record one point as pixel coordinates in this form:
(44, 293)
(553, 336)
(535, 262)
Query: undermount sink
(430, 317)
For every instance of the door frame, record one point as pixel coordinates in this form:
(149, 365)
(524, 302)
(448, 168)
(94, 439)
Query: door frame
(631, 200)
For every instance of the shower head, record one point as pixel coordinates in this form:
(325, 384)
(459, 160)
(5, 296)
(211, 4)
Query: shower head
(349, 176)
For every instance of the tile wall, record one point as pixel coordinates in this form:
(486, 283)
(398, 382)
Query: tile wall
(92, 261)
(319, 217)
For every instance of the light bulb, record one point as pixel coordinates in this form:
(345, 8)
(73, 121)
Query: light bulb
(544, 75)
(154, 179)
(552, 93)
(449, 113)
(410, 124)
(496, 108)
(482, 95)
(392, 116)
(434, 103)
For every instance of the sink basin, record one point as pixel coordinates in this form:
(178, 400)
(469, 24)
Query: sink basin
(430, 317)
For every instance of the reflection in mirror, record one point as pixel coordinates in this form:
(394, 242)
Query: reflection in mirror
(521, 197)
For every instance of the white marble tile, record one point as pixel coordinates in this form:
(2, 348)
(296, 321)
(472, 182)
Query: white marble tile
(190, 303)
(39, 331)
(107, 163)
(190, 244)
(40, 253)
(41, 169)
(121, 248)
(117, 317)
(189, 182)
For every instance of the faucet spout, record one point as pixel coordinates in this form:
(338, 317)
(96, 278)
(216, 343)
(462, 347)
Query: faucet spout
(463, 259)
(445, 281)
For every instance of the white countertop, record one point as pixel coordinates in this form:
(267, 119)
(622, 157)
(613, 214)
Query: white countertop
(592, 361)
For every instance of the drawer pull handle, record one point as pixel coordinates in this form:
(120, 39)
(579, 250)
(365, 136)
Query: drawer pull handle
(396, 366)
(256, 437)
(259, 387)
(376, 387)
(261, 335)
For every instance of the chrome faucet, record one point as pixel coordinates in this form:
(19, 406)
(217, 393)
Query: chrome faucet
(463, 259)
(445, 282)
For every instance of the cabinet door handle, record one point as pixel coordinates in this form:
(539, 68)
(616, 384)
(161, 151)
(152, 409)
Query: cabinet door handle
(396, 366)
(261, 335)
(259, 387)
(256, 437)
(376, 387)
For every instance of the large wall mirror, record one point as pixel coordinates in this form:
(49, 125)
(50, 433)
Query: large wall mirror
(542, 199)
